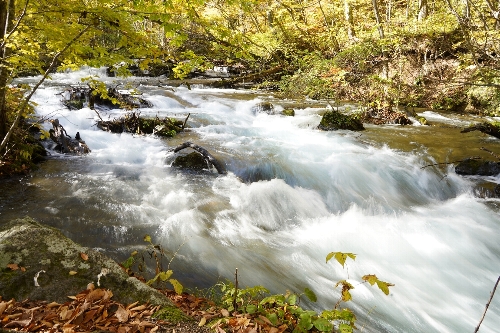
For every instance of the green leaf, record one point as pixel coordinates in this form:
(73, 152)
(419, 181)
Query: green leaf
(251, 308)
(177, 286)
(164, 276)
(129, 262)
(323, 325)
(341, 257)
(147, 238)
(305, 321)
(273, 318)
(345, 328)
(310, 294)
(292, 300)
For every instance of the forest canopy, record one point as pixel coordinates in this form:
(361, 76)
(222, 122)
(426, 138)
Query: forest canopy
(442, 54)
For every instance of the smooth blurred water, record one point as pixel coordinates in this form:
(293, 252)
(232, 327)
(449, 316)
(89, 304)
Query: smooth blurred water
(292, 195)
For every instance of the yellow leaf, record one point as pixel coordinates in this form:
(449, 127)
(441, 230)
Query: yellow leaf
(72, 273)
(202, 322)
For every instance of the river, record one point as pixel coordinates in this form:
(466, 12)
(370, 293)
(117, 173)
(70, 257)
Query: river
(292, 195)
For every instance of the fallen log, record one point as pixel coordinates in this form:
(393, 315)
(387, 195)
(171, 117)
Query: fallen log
(134, 123)
(230, 83)
(492, 129)
(206, 155)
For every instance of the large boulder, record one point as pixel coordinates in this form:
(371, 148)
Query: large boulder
(38, 262)
(192, 161)
(334, 120)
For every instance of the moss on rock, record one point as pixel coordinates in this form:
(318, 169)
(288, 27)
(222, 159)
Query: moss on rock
(172, 315)
(44, 253)
(334, 120)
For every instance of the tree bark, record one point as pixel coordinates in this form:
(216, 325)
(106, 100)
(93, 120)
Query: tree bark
(351, 32)
(422, 10)
(377, 18)
(6, 19)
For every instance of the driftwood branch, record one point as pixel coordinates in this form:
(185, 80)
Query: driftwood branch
(447, 163)
(206, 155)
(185, 121)
(491, 152)
(247, 78)
(485, 127)
(235, 302)
(487, 305)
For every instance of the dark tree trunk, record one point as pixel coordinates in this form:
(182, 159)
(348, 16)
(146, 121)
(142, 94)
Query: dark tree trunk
(7, 12)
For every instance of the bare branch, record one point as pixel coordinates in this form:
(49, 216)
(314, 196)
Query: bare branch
(16, 25)
(487, 305)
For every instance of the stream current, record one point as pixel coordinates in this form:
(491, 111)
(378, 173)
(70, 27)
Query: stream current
(292, 195)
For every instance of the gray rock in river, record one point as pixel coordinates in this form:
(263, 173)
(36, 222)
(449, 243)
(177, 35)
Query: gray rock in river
(32, 253)
(264, 107)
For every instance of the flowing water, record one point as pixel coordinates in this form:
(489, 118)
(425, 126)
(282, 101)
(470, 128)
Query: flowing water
(292, 195)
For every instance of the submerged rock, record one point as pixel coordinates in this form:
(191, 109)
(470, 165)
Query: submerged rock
(288, 112)
(334, 120)
(477, 167)
(38, 262)
(264, 107)
(204, 160)
(385, 115)
(192, 161)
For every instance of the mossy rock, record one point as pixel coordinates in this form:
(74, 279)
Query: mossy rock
(485, 99)
(171, 314)
(288, 112)
(192, 161)
(29, 249)
(422, 120)
(334, 120)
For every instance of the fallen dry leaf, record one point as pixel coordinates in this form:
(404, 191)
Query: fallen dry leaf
(72, 273)
(14, 267)
(121, 314)
(84, 256)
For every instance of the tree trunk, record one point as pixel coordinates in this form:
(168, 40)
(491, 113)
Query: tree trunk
(422, 10)
(377, 18)
(349, 20)
(5, 21)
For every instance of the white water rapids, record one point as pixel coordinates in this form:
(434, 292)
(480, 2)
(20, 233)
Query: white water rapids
(292, 195)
